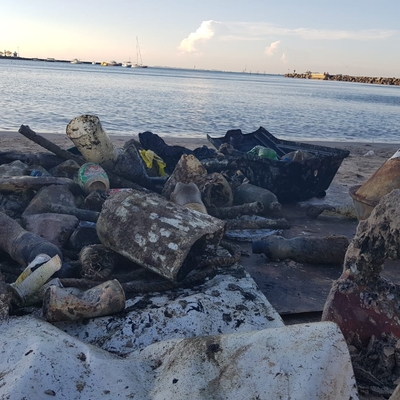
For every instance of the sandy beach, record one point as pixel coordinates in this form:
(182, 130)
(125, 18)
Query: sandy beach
(363, 161)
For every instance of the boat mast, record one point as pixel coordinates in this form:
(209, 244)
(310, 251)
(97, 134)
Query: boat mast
(138, 53)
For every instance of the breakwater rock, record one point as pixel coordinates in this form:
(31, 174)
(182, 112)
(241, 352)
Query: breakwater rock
(346, 78)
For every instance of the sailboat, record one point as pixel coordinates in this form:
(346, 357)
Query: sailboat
(127, 64)
(139, 62)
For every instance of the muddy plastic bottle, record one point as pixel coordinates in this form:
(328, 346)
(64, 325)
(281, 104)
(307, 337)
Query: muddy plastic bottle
(313, 250)
(21, 245)
(248, 193)
(60, 304)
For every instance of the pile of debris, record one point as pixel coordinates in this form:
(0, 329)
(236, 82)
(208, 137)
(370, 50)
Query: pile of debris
(86, 230)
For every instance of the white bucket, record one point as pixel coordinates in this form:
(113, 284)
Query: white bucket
(92, 141)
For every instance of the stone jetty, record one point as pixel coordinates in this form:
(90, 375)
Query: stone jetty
(345, 78)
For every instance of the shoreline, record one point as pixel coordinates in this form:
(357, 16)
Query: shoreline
(363, 161)
(200, 141)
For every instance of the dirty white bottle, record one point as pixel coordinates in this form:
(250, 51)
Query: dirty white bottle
(34, 281)
(304, 249)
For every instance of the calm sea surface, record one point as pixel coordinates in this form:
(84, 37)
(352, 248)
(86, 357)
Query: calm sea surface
(191, 103)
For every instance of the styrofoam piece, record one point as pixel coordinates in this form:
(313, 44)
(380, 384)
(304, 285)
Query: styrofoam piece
(38, 361)
(227, 303)
(307, 361)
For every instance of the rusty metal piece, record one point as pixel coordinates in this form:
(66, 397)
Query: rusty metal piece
(155, 233)
(104, 299)
(363, 310)
(361, 302)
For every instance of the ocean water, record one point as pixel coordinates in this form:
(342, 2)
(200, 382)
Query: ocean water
(193, 103)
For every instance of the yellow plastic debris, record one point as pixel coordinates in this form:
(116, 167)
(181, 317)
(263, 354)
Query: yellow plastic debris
(149, 157)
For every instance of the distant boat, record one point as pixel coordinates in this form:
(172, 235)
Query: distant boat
(110, 64)
(50, 59)
(127, 64)
(139, 61)
(76, 61)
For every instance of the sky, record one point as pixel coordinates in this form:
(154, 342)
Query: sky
(340, 37)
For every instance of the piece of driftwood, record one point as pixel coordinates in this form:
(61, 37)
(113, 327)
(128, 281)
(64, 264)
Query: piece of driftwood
(49, 145)
(235, 211)
(46, 160)
(83, 215)
(25, 182)
(115, 180)
(264, 223)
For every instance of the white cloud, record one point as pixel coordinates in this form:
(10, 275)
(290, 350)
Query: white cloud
(203, 33)
(271, 49)
(260, 31)
(323, 34)
(284, 58)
